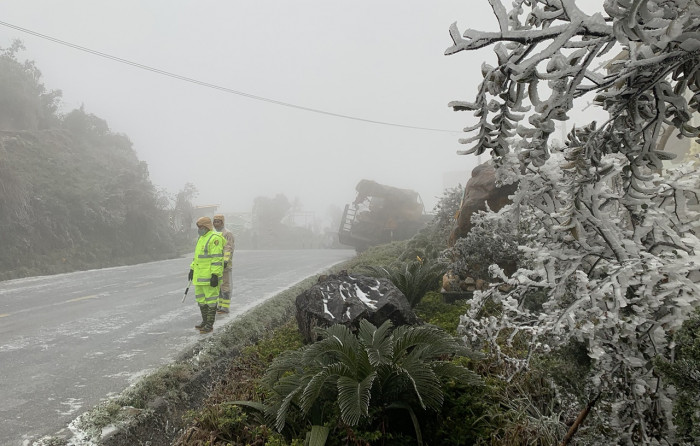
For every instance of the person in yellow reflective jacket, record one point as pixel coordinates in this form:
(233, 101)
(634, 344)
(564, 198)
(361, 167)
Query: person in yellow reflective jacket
(225, 296)
(205, 272)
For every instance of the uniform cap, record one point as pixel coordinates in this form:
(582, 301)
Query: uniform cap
(206, 222)
(219, 217)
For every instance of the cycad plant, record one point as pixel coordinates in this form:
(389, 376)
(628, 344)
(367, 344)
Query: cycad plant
(414, 279)
(365, 375)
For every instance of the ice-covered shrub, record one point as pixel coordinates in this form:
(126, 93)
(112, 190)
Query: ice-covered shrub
(615, 243)
(489, 242)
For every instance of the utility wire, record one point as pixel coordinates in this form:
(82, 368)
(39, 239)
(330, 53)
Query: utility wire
(213, 86)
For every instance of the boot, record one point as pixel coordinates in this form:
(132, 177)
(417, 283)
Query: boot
(208, 327)
(202, 309)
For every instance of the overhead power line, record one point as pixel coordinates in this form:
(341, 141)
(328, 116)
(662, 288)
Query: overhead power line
(213, 86)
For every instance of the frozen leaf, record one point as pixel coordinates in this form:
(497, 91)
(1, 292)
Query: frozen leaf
(596, 352)
(463, 105)
(690, 44)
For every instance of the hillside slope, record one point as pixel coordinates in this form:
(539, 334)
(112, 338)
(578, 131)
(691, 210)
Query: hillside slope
(73, 194)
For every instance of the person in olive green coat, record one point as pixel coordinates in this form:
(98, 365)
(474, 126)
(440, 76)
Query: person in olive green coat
(205, 272)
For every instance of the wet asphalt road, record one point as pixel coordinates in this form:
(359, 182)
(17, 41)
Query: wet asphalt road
(69, 341)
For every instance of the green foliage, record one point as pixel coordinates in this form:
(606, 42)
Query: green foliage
(684, 374)
(432, 240)
(377, 256)
(568, 367)
(73, 194)
(232, 423)
(279, 440)
(413, 278)
(529, 410)
(521, 423)
(25, 104)
(446, 210)
(286, 337)
(423, 245)
(469, 414)
(534, 407)
(364, 374)
(462, 420)
(434, 311)
(226, 412)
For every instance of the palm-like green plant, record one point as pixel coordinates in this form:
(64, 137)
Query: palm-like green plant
(366, 374)
(414, 278)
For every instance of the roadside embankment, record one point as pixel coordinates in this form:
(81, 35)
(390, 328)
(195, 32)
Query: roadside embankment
(151, 411)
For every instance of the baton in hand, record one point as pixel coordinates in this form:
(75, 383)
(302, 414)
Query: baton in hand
(186, 290)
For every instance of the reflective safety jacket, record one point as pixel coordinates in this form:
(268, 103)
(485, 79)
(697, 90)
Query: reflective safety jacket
(229, 246)
(208, 258)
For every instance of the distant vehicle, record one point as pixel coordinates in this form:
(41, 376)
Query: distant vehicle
(381, 214)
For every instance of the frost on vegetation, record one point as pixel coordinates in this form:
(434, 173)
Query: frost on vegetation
(609, 232)
(93, 426)
(485, 245)
(90, 428)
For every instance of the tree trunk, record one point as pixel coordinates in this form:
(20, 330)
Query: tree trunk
(579, 420)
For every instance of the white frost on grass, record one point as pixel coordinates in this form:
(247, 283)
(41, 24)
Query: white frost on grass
(80, 437)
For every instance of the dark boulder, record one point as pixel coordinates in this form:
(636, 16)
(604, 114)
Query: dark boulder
(347, 299)
(480, 190)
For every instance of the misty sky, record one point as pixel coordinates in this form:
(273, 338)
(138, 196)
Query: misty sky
(380, 61)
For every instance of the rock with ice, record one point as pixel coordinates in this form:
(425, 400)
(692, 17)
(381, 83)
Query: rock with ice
(347, 299)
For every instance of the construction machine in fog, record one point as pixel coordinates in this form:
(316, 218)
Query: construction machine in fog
(381, 214)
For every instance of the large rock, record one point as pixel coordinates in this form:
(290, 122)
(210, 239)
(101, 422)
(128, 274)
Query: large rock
(480, 189)
(345, 299)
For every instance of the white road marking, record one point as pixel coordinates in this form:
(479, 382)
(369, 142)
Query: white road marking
(77, 299)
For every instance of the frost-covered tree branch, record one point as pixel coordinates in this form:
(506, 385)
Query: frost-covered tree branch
(611, 233)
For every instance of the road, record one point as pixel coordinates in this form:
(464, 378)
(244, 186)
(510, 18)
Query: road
(69, 341)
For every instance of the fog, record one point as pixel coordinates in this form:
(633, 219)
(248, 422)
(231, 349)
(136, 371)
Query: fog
(367, 60)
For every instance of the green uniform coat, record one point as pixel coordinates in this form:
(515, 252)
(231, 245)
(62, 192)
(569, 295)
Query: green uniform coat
(208, 260)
